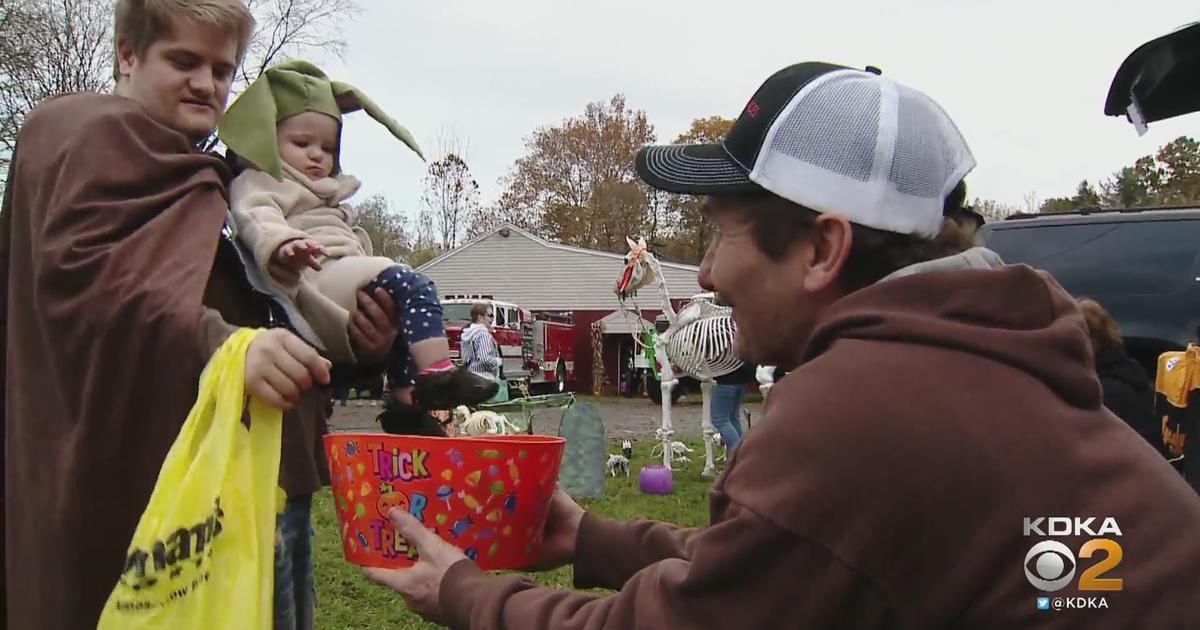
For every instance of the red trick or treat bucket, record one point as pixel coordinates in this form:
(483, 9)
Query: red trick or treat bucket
(486, 495)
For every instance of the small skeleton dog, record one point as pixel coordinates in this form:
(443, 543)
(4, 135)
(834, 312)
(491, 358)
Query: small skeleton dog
(678, 451)
(482, 422)
(617, 463)
(718, 443)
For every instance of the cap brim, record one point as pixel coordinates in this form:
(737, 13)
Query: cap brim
(692, 169)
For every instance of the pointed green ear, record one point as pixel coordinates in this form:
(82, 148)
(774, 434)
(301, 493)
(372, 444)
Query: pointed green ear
(248, 127)
(350, 99)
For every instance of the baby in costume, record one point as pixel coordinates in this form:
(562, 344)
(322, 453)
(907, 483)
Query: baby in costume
(289, 214)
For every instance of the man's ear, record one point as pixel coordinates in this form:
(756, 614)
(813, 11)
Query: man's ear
(830, 242)
(126, 56)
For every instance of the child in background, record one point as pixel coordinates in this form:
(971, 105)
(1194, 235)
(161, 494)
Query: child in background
(289, 213)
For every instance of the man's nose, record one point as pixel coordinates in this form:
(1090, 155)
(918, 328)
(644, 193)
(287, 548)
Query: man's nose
(202, 83)
(704, 277)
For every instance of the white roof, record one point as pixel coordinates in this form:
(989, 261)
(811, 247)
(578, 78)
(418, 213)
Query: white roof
(513, 265)
(621, 323)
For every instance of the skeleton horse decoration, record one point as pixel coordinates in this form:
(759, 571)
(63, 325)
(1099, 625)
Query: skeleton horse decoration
(698, 342)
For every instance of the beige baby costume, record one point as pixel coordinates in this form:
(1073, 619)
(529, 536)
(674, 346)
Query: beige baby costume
(268, 213)
(273, 203)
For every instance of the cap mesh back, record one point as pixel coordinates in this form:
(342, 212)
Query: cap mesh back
(833, 128)
(860, 145)
(928, 147)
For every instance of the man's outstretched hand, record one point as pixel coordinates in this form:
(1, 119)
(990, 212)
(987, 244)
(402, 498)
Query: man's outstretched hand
(279, 366)
(560, 534)
(419, 585)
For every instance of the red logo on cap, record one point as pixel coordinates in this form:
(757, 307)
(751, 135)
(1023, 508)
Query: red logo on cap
(752, 109)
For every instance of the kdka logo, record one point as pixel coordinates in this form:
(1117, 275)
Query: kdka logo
(1050, 565)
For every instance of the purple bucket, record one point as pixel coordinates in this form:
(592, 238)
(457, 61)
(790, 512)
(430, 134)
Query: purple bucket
(655, 480)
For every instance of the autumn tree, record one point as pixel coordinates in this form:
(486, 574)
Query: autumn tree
(484, 219)
(1172, 175)
(387, 229)
(992, 210)
(1085, 197)
(577, 184)
(450, 199)
(1124, 190)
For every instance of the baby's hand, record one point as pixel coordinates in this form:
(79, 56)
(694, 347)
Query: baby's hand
(299, 253)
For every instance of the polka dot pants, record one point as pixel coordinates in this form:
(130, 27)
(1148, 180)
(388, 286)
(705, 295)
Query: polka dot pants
(419, 314)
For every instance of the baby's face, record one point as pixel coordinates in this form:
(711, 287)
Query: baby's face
(307, 142)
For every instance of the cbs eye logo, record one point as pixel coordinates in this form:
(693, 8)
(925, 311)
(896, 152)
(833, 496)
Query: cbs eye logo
(1051, 565)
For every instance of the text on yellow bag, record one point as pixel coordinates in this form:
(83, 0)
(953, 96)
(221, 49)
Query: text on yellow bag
(202, 555)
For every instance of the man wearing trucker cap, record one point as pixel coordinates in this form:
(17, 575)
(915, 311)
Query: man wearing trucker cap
(938, 455)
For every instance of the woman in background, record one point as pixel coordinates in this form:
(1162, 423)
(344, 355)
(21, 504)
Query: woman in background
(1128, 390)
(480, 354)
(726, 404)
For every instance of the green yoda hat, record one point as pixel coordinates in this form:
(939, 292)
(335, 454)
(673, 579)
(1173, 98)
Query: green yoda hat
(287, 89)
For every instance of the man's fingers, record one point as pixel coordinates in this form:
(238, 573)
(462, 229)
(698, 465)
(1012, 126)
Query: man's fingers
(403, 581)
(413, 531)
(281, 383)
(363, 330)
(374, 312)
(262, 388)
(385, 302)
(269, 396)
(383, 576)
(297, 372)
(311, 361)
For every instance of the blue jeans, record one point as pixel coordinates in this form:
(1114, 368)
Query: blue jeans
(295, 592)
(726, 405)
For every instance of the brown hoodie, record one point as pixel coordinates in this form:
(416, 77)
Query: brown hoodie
(889, 483)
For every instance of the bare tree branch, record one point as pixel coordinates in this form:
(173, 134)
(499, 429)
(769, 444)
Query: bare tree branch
(47, 48)
(51, 47)
(451, 196)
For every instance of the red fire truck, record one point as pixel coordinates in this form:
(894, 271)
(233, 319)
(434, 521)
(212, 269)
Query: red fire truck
(536, 347)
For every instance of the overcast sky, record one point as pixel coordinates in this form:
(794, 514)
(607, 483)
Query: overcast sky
(1025, 80)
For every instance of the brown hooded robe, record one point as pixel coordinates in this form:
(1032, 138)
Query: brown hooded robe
(110, 258)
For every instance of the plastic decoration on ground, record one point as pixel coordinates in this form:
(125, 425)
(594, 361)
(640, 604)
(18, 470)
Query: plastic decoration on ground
(485, 495)
(582, 474)
(656, 480)
(520, 411)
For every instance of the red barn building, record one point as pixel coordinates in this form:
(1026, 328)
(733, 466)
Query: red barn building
(511, 265)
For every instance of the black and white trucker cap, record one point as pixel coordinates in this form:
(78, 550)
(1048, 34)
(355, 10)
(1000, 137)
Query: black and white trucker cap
(832, 139)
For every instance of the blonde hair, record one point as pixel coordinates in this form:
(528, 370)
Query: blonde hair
(142, 22)
(1102, 327)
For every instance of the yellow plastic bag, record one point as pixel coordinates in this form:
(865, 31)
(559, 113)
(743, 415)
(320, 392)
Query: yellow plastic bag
(202, 556)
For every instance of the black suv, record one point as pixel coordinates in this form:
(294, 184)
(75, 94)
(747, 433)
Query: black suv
(1140, 265)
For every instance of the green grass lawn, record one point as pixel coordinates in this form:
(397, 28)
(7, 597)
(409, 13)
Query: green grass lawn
(346, 599)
